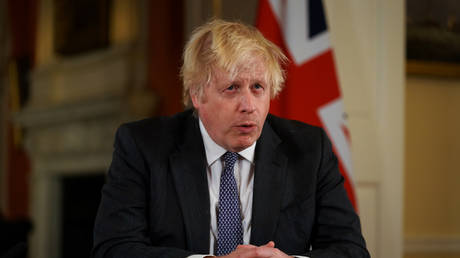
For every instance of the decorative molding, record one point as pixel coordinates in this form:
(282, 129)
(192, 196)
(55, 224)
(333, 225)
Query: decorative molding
(83, 110)
(419, 244)
(85, 77)
(76, 165)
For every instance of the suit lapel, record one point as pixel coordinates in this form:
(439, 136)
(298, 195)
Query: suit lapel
(269, 177)
(188, 166)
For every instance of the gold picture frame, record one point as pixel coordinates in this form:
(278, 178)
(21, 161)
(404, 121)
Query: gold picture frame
(440, 69)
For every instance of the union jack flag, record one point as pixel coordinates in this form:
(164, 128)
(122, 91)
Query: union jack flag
(312, 92)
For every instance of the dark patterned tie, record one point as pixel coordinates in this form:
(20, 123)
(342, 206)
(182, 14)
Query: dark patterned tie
(229, 228)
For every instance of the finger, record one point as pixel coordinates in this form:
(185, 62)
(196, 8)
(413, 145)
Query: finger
(264, 251)
(246, 251)
(245, 246)
(270, 244)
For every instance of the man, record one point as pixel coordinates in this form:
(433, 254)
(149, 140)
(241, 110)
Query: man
(225, 177)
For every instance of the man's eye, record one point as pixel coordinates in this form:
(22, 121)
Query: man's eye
(258, 86)
(231, 87)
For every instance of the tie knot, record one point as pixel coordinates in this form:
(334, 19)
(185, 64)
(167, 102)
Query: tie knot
(230, 158)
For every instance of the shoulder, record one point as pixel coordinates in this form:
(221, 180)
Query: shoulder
(298, 138)
(161, 126)
(291, 130)
(162, 131)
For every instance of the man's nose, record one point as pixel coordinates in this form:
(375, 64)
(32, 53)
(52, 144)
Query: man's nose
(247, 104)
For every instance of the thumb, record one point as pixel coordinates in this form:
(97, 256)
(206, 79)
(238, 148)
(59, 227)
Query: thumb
(270, 244)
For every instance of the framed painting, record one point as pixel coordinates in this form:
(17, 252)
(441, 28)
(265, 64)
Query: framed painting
(433, 37)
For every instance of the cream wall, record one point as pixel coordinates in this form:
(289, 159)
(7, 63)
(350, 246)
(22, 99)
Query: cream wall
(405, 135)
(368, 40)
(432, 210)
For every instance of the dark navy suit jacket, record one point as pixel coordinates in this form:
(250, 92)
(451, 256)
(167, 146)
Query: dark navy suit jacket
(156, 201)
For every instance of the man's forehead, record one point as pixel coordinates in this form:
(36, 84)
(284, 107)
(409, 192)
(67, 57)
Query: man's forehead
(252, 69)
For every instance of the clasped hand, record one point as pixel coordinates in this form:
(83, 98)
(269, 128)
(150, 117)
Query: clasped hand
(252, 251)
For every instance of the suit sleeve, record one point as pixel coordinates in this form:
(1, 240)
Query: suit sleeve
(121, 224)
(337, 230)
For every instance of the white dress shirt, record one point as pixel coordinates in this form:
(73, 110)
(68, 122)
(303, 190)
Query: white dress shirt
(244, 176)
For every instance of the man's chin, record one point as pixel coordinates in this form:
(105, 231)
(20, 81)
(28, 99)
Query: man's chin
(241, 145)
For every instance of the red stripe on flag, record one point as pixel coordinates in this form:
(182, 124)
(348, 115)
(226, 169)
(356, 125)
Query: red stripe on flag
(346, 132)
(308, 87)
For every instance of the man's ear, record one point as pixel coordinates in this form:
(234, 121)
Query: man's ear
(195, 98)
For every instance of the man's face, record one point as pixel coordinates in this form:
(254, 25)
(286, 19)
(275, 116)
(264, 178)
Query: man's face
(233, 110)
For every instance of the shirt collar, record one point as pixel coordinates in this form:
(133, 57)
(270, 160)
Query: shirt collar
(214, 151)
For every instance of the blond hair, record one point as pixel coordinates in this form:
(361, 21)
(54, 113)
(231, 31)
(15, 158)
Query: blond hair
(227, 45)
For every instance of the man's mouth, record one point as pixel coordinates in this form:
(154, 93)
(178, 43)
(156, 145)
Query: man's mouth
(246, 127)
